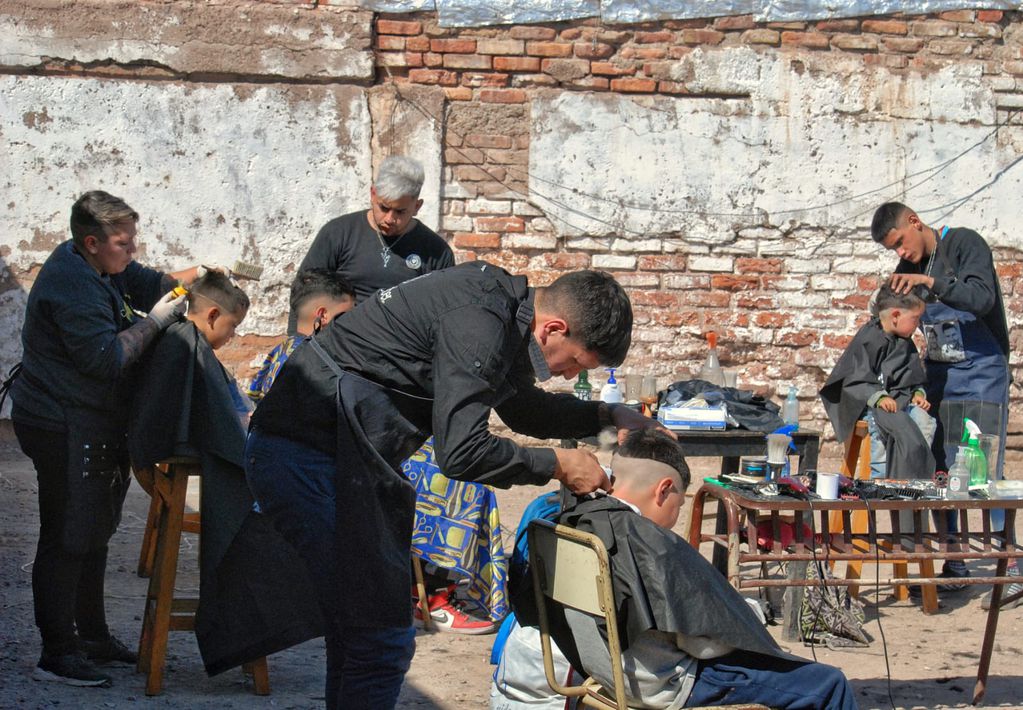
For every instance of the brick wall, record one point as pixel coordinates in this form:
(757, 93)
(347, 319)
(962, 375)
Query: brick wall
(781, 319)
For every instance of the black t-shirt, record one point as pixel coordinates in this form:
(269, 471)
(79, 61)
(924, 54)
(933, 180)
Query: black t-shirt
(460, 338)
(350, 246)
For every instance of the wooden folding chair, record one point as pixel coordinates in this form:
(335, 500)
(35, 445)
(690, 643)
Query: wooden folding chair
(571, 568)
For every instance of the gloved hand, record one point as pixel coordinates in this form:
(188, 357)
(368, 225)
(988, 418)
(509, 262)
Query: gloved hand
(167, 310)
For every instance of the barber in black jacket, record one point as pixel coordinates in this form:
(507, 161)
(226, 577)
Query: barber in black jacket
(433, 355)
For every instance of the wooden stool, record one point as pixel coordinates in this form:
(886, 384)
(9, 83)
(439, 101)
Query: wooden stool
(856, 464)
(424, 599)
(167, 483)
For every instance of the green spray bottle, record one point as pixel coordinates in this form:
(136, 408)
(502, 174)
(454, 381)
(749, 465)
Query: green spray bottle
(977, 461)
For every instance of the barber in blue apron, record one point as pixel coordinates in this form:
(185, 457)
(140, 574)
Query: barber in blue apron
(967, 350)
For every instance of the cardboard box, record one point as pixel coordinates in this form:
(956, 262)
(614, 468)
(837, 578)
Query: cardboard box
(688, 418)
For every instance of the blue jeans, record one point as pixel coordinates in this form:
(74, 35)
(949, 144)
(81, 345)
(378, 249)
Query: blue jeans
(294, 485)
(743, 677)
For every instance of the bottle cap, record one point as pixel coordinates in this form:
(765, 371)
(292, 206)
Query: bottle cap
(712, 339)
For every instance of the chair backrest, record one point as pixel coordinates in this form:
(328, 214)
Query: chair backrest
(571, 568)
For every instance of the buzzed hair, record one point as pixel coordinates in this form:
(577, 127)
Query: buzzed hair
(887, 298)
(597, 310)
(656, 445)
(310, 283)
(886, 218)
(218, 288)
(95, 212)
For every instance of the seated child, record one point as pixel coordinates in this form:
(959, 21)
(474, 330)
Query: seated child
(688, 637)
(317, 297)
(880, 377)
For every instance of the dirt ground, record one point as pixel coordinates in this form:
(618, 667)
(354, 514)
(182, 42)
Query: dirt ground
(931, 659)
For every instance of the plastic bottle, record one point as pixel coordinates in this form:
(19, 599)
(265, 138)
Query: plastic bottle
(959, 477)
(977, 461)
(711, 371)
(583, 389)
(790, 409)
(611, 392)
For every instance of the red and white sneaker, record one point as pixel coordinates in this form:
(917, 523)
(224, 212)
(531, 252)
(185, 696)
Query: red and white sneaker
(448, 615)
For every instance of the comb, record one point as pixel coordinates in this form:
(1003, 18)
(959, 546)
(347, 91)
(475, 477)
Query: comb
(243, 270)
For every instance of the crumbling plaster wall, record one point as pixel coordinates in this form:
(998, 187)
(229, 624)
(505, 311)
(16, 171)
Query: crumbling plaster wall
(680, 155)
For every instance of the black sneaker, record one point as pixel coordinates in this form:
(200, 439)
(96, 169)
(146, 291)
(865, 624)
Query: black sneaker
(71, 669)
(953, 569)
(109, 650)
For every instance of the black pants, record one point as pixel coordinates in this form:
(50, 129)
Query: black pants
(67, 589)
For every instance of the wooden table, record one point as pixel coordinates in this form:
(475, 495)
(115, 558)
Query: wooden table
(893, 545)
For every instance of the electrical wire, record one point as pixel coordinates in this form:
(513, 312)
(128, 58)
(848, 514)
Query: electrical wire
(872, 530)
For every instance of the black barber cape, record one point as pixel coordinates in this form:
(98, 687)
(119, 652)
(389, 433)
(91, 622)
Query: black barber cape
(873, 362)
(660, 582)
(436, 354)
(183, 407)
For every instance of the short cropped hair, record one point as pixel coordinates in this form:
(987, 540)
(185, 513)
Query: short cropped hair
(95, 212)
(886, 218)
(215, 286)
(887, 298)
(399, 177)
(311, 283)
(659, 446)
(597, 310)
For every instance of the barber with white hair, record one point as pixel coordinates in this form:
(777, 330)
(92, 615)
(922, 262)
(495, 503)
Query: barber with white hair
(384, 245)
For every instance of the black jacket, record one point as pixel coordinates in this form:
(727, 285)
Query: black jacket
(183, 407)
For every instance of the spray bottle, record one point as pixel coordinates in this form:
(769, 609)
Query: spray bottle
(977, 460)
(611, 392)
(959, 477)
(711, 371)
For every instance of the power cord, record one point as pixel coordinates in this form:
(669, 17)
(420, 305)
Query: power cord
(872, 529)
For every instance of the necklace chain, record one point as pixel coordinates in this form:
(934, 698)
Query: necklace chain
(385, 248)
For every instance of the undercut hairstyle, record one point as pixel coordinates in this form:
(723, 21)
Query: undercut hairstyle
(886, 299)
(597, 310)
(312, 283)
(218, 288)
(886, 218)
(399, 177)
(656, 445)
(96, 212)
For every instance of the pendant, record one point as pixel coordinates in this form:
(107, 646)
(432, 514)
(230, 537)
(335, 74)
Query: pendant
(385, 255)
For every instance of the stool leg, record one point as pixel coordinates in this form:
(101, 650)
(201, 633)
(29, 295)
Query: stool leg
(148, 553)
(424, 600)
(260, 674)
(161, 585)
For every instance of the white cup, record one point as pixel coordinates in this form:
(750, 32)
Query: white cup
(827, 485)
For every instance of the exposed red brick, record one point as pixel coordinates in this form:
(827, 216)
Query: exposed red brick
(838, 25)
(502, 96)
(886, 27)
(650, 52)
(989, 15)
(795, 26)
(653, 37)
(674, 319)
(593, 50)
(903, 44)
(856, 301)
(1009, 270)
(398, 27)
(455, 46)
(488, 140)
(474, 240)
(509, 260)
(549, 49)
(432, 59)
(501, 224)
(390, 43)
(466, 61)
(707, 299)
(958, 15)
(413, 59)
(417, 44)
(732, 282)
(693, 24)
(772, 320)
(532, 32)
(634, 85)
(660, 299)
(761, 36)
(567, 261)
(755, 265)
(672, 87)
(612, 69)
(500, 46)
(593, 83)
(892, 61)
(839, 342)
(720, 320)
(738, 22)
(702, 37)
(472, 173)
(517, 63)
(679, 52)
(811, 40)
(797, 338)
(433, 76)
(477, 80)
(662, 262)
(950, 47)
(508, 157)
(933, 28)
(758, 303)
(455, 156)
(575, 33)
(867, 283)
(854, 43)
(458, 93)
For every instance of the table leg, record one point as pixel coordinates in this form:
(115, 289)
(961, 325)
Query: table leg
(989, 634)
(793, 600)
